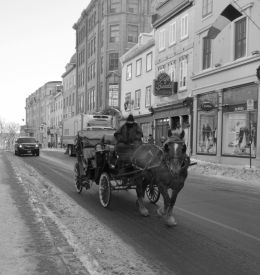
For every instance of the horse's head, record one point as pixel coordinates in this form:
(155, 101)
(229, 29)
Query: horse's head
(175, 153)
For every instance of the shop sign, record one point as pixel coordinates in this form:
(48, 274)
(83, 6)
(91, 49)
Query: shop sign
(163, 86)
(207, 106)
(250, 104)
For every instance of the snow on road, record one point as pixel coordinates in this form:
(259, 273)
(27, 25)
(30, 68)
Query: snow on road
(99, 250)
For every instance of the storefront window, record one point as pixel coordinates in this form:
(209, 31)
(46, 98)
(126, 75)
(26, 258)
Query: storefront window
(237, 131)
(207, 124)
(239, 124)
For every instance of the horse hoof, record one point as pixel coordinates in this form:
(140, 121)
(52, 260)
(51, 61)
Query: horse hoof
(144, 212)
(170, 221)
(160, 211)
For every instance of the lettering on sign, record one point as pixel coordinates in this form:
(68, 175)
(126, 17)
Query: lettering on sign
(163, 86)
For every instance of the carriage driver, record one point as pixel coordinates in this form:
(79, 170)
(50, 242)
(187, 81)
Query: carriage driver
(128, 137)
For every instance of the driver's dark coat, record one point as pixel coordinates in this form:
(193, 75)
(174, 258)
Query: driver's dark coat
(129, 133)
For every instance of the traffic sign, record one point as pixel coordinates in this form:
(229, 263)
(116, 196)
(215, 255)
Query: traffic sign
(250, 104)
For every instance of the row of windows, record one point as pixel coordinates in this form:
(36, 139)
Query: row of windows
(138, 67)
(132, 6)
(91, 71)
(132, 34)
(81, 57)
(81, 34)
(69, 82)
(136, 104)
(92, 46)
(69, 100)
(173, 32)
(81, 78)
(239, 42)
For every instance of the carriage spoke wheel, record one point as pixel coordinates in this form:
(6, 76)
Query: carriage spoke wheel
(104, 190)
(152, 193)
(77, 178)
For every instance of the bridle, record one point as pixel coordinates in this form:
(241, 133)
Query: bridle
(181, 162)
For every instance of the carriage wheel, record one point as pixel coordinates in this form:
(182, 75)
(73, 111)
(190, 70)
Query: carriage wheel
(152, 193)
(77, 178)
(104, 190)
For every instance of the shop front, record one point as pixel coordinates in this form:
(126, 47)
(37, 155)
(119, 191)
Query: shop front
(226, 123)
(240, 121)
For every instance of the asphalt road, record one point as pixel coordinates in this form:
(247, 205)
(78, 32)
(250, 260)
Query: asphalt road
(218, 221)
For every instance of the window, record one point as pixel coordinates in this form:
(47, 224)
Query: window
(113, 95)
(184, 26)
(148, 91)
(132, 6)
(183, 73)
(101, 64)
(240, 127)
(161, 40)
(171, 70)
(138, 67)
(207, 7)
(161, 69)
(172, 34)
(115, 6)
(137, 99)
(114, 33)
(127, 103)
(206, 62)
(91, 99)
(113, 61)
(101, 38)
(207, 125)
(132, 31)
(240, 38)
(149, 58)
(129, 72)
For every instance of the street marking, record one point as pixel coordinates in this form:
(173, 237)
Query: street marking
(221, 224)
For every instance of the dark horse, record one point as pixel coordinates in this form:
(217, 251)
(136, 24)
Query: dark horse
(167, 167)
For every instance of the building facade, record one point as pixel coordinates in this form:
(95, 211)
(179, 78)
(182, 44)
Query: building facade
(225, 85)
(138, 72)
(69, 88)
(104, 32)
(173, 22)
(38, 111)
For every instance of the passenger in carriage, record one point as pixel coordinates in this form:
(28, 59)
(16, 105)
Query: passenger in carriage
(128, 137)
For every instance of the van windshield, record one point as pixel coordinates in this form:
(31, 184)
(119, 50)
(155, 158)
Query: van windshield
(26, 140)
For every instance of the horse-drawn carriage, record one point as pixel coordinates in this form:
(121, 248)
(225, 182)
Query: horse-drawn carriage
(150, 169)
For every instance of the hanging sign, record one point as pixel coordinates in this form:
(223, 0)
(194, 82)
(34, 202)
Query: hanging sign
(163, 86)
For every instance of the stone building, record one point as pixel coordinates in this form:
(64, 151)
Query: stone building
(38, 111)
(104, 32)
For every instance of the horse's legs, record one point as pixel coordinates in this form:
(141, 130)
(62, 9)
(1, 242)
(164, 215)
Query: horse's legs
(170, 221)
(164, 191)
(140, 190)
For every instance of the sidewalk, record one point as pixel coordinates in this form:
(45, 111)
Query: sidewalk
(31, 243)
(241, 173)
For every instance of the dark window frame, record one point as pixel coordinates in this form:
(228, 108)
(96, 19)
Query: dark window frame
(240, 38)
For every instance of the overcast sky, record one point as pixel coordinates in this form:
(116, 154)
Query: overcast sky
(36, 42)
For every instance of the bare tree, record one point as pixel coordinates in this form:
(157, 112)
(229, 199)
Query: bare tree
(8, 131)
